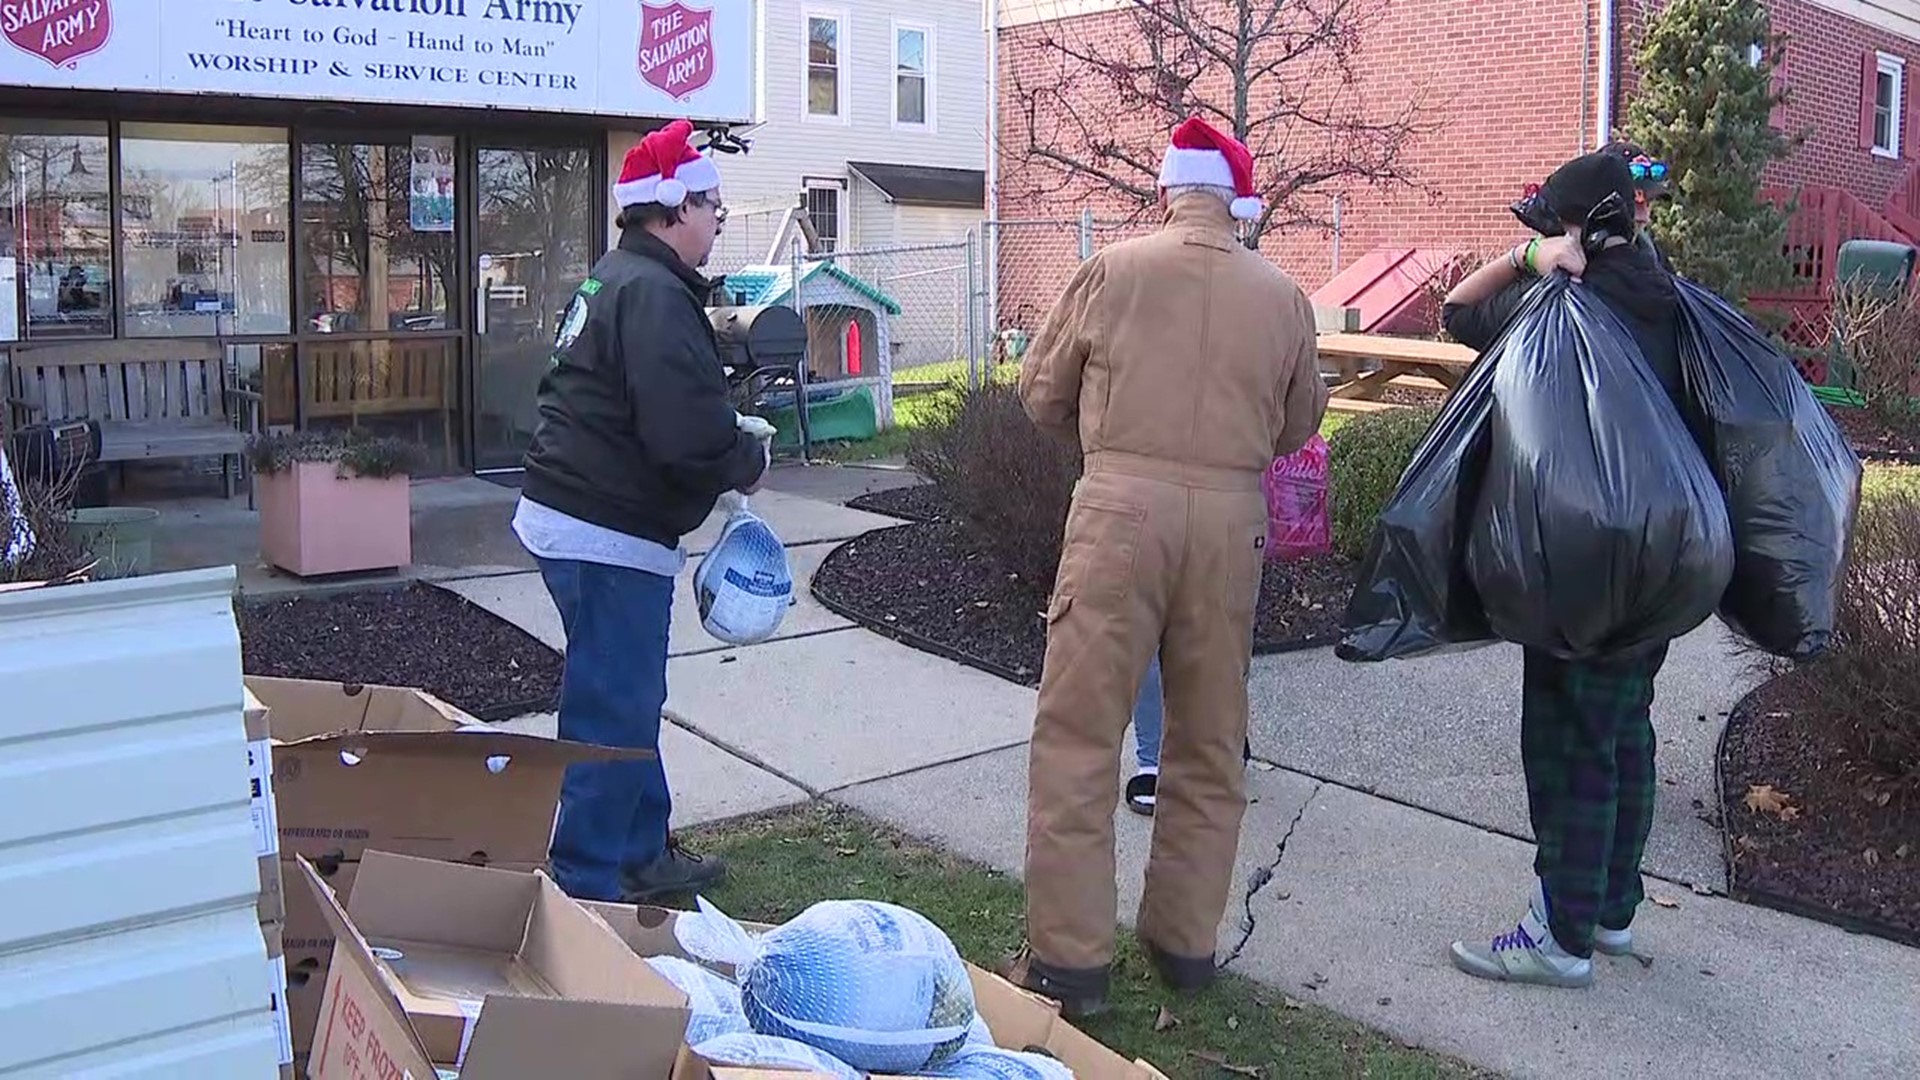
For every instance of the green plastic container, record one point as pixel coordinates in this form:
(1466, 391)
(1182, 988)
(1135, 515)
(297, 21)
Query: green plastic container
(121, 537)
(847, 416)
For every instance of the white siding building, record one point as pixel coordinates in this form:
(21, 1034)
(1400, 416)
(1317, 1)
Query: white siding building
(873, 120)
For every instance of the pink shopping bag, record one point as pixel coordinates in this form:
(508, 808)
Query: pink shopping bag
(1298, 522)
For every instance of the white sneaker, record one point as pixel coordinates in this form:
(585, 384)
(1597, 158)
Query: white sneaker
(1528, 954)
(1610, 942)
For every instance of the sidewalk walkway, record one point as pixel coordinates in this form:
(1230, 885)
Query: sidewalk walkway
(1373, 883)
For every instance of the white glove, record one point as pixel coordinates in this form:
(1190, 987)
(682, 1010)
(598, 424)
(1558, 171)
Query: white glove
(760, 429)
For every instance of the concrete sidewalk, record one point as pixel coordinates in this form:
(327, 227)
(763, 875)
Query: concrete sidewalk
(1404, 778)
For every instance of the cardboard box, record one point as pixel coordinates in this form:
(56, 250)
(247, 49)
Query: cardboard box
(282, 1022)
(497, 973)
(357, 767)
(262, 806)
(1018, 1020)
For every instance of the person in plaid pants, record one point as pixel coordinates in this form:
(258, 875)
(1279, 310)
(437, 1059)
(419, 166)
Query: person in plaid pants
(1586, 730)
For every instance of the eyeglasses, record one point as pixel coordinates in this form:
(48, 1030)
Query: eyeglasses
(1648, 170)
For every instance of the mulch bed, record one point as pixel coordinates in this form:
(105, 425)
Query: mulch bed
(1832, 850)
(418, 636)
(1872, 439)
(930, 585)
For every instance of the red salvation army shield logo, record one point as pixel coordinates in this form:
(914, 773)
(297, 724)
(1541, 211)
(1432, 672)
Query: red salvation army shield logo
(57, 31)
(676, 48)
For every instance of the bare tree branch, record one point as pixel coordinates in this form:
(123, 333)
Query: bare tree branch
(1279, 75)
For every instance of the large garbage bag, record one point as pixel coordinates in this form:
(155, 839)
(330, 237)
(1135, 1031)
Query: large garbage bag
(1600, 529)
(875, 985)
(1411, 596)
(1559, 501)
(1791, 482)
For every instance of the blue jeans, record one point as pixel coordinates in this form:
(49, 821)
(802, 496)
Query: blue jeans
(613, 815)
(1149, 713)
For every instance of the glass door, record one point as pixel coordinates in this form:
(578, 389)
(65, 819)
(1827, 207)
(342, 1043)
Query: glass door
(534, 241)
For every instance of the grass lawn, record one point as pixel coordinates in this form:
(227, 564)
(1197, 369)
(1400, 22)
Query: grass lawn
(781, 863)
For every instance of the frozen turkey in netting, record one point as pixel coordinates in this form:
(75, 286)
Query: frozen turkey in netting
(772, 1052)
(743, 586)
(993, 1063)
(713, 1000)
(875, 985)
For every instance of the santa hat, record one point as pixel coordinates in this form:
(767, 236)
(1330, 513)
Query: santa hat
(1203, 155)
(662, 168)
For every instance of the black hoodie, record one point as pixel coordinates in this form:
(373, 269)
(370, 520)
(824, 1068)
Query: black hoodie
(1632, 283)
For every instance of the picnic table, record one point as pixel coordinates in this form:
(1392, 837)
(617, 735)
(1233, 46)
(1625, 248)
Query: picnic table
(1386, 358)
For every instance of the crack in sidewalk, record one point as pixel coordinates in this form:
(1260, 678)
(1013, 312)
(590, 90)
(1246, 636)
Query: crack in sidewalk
(1263, 876)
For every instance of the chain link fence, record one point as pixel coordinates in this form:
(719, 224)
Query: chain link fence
(1032, 262)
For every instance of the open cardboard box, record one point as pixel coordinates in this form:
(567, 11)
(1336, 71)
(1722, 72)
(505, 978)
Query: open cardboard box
(1017, 1019)
(384, 767)
(358, 766)
(497, 973)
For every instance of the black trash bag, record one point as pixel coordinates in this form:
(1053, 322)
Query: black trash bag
(1791, 482)
(1411, 596)
(1600, 530)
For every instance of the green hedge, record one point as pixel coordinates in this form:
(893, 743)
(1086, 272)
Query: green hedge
(1364, 461)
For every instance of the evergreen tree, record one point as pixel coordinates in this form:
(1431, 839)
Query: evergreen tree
(1704, 108)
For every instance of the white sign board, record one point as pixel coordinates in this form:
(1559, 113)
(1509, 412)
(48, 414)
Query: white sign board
(640, 58)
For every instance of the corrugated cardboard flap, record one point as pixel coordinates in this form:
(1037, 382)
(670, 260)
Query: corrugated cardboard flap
(477, 745)
(600, 1013)
(387, 1021)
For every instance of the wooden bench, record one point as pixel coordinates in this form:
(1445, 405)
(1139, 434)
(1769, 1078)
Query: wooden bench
(380, 378)
(1408, 359)
(153, 399)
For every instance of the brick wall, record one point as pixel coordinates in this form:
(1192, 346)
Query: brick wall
(1515, 94)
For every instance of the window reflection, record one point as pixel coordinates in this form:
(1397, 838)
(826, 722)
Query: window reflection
(365, 266)
(58, 229)
(204, 212)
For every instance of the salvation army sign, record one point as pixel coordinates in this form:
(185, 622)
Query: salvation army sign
(57, 31)
(616, 58)
(676, 49)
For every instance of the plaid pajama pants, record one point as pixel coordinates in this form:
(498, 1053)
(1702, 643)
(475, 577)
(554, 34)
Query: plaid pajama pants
(1587, 744)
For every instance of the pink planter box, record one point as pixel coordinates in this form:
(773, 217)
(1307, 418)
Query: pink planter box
(313, 522)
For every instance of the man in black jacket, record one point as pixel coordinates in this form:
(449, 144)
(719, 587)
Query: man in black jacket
(636, 443)
(1586, 730)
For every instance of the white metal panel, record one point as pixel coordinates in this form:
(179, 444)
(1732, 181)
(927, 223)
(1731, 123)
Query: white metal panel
(129, 939)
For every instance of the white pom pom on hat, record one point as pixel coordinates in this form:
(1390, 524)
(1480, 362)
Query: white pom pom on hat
(663, 169)
(1201, 155)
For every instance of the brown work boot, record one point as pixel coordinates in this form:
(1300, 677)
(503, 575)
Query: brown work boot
(1080, 992)
(1186, 974)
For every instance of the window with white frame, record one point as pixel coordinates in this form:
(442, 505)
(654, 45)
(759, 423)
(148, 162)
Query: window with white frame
(1889, 106)
(823, 211)
(912, 76)
(826, 65)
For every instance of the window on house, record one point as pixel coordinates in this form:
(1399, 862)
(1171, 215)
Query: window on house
(912, 66)
(58, 227)
(823, 211)
(1889, 82)
(825, 84)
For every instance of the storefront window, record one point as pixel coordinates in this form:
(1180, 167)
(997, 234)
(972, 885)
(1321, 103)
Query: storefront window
(205, 214)
(376, 223)
(56, 249)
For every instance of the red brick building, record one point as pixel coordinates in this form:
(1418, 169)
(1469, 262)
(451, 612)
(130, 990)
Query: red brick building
(1510, 90)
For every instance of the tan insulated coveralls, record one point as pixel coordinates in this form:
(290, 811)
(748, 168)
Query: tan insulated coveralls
(1184, 364)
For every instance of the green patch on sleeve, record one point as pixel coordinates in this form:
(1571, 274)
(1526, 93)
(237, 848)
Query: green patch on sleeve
(590, 287)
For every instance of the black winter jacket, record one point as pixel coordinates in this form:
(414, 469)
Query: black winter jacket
(636, 433)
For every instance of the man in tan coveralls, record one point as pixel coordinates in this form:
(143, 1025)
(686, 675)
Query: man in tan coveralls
(1183, 363)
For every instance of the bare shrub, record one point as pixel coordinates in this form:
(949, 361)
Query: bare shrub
(1005, 481)
(45, 503)
(1879, 338)
(1870, 675)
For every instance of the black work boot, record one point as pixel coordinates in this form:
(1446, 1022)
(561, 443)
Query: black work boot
(1187, 974)
(677, 871)
(1081, 992)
